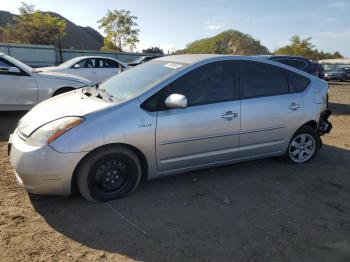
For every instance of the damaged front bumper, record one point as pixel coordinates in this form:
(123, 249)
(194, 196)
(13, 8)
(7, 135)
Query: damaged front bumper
(324, 126)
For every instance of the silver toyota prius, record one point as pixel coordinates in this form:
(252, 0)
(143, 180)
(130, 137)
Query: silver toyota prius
(170, 115)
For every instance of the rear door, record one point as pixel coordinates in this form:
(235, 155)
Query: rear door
(107, 69)
(270, 111)
(18, 91)
(205, 132)
(87, 69)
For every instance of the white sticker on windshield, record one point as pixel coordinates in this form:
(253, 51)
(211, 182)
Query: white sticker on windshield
(173, 65)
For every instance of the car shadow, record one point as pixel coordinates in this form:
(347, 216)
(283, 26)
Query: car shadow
(251, 211)
(8, 123)
(339, 109)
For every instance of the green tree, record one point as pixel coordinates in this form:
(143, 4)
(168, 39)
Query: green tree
(227, 42)
(304, 47)
(108, 45)
(153, 50)
(119, 27)
(32, 26)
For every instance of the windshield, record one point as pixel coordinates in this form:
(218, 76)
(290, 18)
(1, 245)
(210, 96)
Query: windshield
(139, 79)
(19, 64)
(140, 59)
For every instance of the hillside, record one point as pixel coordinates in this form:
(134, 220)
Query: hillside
(227, 42)
(78, 37)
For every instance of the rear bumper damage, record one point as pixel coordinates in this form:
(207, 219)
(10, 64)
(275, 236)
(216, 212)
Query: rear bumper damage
(324, 126)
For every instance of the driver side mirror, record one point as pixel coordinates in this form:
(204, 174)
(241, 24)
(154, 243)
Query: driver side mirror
(76, 66)
(14, 70)
(176, 101)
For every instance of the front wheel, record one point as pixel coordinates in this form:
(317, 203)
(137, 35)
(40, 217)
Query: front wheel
(109, 173)
(303, 146)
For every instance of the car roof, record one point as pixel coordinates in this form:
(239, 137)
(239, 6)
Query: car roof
(94, 56)
(281, 56)
(189, 59)
(198, 58)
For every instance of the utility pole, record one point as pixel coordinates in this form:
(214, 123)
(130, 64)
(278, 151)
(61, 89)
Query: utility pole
(60, 49)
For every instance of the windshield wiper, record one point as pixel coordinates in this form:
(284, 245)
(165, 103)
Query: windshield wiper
(98, 93)
(103, 92)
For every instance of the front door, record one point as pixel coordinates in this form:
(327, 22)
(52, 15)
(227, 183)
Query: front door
(18, 91)
(207, 131)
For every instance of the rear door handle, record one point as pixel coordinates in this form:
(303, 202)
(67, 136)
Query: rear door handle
(294, 106)
(229, 115)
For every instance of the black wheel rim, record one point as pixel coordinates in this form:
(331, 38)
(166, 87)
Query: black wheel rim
(110, 178)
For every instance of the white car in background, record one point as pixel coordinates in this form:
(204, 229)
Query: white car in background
(94, 68)
(22, 87)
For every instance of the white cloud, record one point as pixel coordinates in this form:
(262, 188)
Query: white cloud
(341, 4)
(331, 19)
(331, 41)
(211, 25)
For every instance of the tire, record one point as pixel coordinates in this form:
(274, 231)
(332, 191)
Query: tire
(303, 146)
(63, 90)
(109, 173)
(343, 79)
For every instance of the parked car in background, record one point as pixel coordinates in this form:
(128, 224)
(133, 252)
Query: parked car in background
(94, 68)
(340, 74)
(141, 60)
(346, 71)
(321, 70)
(22, 87)
(170, 115)
(300, 63)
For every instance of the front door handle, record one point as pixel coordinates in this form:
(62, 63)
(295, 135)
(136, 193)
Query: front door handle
(294, 106)
(229, 115)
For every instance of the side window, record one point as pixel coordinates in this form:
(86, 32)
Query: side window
(211, 83)
(259, 79)
(4, 66)
(208, 84)
(300, 64)
(298, 83)
(88, 63)
(107, 63)
(297, 63)
(285, 61)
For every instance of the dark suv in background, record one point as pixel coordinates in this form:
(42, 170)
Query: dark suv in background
(296, 61)
(339, 73)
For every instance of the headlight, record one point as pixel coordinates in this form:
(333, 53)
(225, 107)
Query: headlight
(51, 131)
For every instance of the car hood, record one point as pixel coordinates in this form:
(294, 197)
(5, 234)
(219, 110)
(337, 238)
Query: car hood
(62, 76)
(73, 103)
(48, 68)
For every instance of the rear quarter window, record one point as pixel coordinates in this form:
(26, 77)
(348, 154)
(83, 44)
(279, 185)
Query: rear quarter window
(298, 83)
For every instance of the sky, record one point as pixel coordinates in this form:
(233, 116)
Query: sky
(172, 24)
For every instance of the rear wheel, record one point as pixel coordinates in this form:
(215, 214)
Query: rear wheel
(303, 146)
(343, 79)
(109, 173)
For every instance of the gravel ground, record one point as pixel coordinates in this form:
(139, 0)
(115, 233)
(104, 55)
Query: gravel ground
(262, 210)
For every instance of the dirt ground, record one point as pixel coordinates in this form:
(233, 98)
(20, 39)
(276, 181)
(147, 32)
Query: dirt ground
(262, 210)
